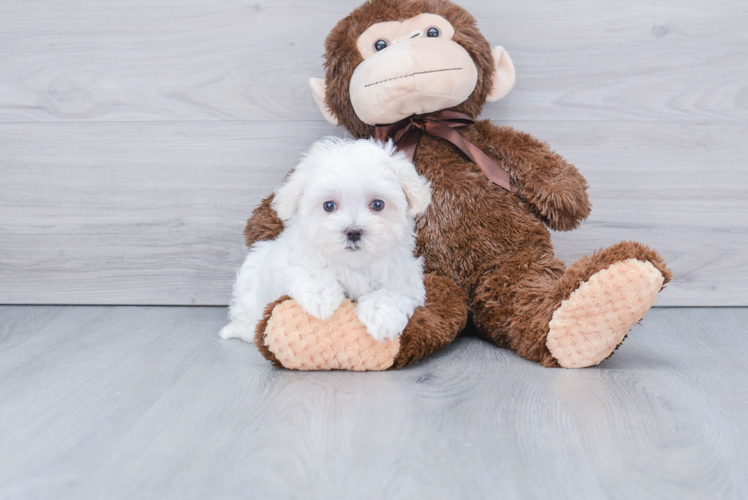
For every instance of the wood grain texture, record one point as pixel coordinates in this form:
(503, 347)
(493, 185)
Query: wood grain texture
(144, 402)
(251, 59)
(135, 138)
(152, 213)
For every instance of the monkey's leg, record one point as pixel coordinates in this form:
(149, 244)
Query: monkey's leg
(290, 338)
(572, 319)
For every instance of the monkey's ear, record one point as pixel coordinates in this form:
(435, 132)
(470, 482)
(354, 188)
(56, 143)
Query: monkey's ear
(504, 75)
(318, 92)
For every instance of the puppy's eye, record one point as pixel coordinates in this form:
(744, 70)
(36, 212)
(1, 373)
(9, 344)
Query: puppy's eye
(432, 32)
(329, 206)
(380, 45)
(377, 205)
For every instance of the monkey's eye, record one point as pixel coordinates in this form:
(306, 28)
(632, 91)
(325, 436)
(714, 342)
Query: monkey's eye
(380, 45)
(329, 206)
(432, 32)
(377, 205)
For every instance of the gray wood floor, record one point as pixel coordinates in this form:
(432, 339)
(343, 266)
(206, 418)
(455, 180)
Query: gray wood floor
(147, 402)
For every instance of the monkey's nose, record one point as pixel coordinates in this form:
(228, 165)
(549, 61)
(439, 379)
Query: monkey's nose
(354, 234)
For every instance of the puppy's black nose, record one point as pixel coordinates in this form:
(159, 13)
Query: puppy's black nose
(354, 234)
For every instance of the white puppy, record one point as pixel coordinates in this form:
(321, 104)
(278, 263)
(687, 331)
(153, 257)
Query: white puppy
(348, 211)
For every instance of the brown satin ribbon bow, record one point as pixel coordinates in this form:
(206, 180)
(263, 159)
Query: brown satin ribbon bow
(406, 134)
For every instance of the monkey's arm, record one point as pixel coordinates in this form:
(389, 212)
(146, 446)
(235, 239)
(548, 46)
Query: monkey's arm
(264, 223)
(555, 189)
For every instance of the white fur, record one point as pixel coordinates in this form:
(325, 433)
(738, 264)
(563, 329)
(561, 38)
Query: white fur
(313, 261)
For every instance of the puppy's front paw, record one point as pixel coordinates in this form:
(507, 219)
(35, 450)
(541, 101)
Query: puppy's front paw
(382, 317)
(238, 330)
(321, 304)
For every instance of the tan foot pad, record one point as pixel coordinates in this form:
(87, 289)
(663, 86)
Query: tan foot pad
(594, 320)
(303, 342)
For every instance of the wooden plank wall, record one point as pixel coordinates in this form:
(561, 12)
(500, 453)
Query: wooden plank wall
(136, 137)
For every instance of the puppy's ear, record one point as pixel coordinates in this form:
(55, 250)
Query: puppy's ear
(287, 197)
(416, 188)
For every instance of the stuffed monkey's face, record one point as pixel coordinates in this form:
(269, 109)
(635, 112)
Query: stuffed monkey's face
(381, 73)
(410, 67)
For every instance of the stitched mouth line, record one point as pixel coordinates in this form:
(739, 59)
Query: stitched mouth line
(412, 74)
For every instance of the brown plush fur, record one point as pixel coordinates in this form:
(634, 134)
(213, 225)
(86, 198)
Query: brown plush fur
(436, 324)
(482, 245)
(264, 223)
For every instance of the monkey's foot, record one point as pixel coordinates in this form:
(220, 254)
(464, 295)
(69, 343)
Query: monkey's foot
(590, 324)
(290, 338)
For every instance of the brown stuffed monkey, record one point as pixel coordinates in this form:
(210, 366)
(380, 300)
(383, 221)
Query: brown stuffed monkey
(486, 248)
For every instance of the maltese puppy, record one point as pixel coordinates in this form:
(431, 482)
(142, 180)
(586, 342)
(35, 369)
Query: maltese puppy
(348, 210)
